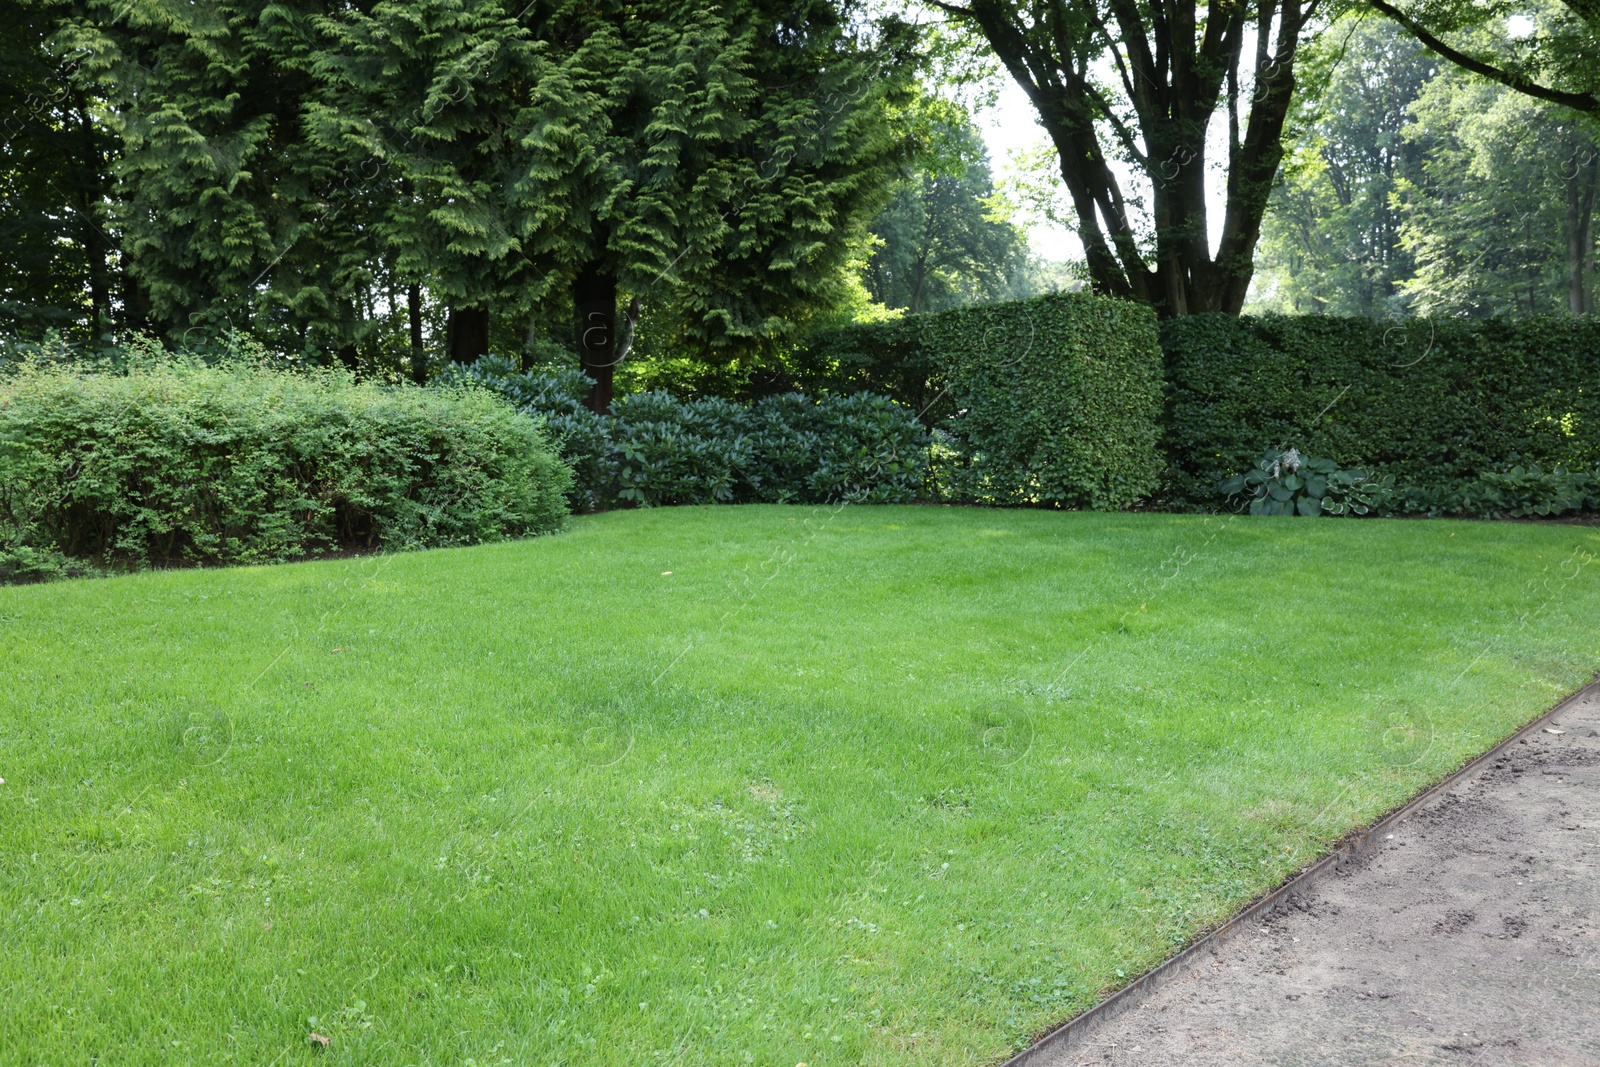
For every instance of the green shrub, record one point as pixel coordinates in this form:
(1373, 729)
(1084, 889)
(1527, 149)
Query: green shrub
(1288, 483)
(172, 461)
(1052, 401)
(1522, 492)
(22, 563)
(1445, 408)
(653, 449)
(1528, 492)
(886, 358)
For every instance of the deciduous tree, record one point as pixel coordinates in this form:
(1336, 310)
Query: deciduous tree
(943, 239)
(1173, 66)
(1331, 242)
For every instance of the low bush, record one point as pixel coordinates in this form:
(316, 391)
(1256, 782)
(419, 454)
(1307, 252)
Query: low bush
(1466, 417)
(1520, 492)
(1288, 483)
(654, 449)
(1051, 401)
(168, 461)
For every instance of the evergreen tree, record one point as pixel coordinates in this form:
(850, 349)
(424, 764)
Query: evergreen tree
(59, 267)
(328, 175)
(718, 162)
(228, 215)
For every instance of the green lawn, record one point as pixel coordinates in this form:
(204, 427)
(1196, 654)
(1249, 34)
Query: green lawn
(874, 785)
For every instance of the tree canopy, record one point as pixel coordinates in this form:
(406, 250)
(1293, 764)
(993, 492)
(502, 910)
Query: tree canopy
(1331, 241)
(303, 168)
(945, 237)
(1418, 187)
(1555, 59)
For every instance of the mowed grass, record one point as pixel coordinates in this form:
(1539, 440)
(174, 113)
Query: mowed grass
(859, 785)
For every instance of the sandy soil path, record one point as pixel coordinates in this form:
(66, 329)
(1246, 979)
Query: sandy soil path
(1469, 934)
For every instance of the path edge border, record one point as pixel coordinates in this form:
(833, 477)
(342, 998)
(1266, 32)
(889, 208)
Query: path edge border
(1354, 845)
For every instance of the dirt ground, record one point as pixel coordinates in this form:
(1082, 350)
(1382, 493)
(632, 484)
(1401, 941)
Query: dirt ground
(1470, 934)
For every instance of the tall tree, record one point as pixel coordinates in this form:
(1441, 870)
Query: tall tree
(1176, 66)
(59, 262)
(722, 159)
(229, 216)
(1501, 220)
(943, 239)
(326, 174)
(1331, 242)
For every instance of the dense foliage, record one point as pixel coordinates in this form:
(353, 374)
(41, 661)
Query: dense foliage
(54, 273)
(364, 181)
(1481, 417)
(1416, 188)
(1330, 243)
(653, 449)
(944, 240)
(1501, 219)
(1553, 56)
(171, 461)
(1048, 401)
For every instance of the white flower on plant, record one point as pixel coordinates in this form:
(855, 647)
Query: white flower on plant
(1291, 460)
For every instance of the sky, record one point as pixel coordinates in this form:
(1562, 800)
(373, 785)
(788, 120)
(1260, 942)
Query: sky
(1013, 126)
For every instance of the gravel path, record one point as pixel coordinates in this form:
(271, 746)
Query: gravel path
(1470, 934)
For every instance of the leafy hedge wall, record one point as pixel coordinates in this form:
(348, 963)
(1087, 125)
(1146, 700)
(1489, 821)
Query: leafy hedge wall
(1052, 401)
(1437, 405)
(654, 449)
(174, 461)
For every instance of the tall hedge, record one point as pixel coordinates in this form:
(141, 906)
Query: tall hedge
(1434, 403)
(174, 461)
(1050, 401)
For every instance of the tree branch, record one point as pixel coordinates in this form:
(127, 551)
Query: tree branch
(1576, 101)
(1124, 134)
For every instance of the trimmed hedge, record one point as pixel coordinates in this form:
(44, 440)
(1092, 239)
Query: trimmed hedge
(1444, 407)
(1050, 401)
(173, 461)
(653, 449)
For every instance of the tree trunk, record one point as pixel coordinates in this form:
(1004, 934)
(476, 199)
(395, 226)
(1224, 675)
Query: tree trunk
(630, 322)
(1594, 261)
(468, 333)
(1174, 74)
(92, 238)
(135, 302)
(419, 355)
(1581, 191)
(594, 293)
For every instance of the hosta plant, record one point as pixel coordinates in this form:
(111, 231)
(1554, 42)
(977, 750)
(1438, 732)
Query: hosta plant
(1285, 482)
